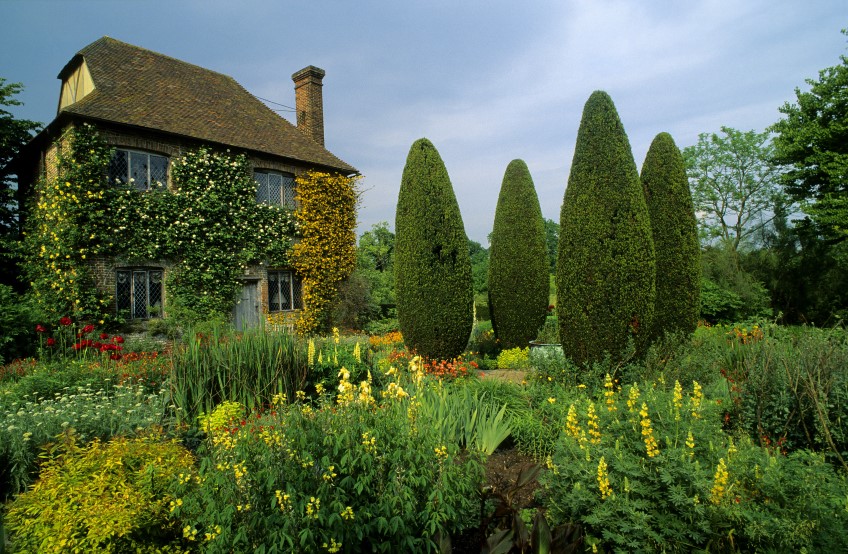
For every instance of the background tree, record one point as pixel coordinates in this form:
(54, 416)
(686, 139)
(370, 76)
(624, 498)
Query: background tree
(606, 265)
(432, 264)
(518, 265)
(734, 184)
(675, 232)
(14, 133)
(812, 142)
(552, 242)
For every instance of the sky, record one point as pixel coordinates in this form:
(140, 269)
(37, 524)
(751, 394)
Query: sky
(485, 81)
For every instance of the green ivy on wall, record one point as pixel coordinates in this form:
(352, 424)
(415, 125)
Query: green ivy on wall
(209, 228)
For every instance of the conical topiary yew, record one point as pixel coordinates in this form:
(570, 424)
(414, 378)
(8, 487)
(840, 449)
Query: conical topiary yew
(518, 262)
(432, 266)
(606, 265)
(675, 233)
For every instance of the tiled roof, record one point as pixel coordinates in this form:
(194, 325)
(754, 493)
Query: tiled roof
(134, 86)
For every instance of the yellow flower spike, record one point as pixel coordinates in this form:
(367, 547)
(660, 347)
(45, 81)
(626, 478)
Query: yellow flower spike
(609, 393)
(603, 479)
(651, 448)
(677, 400)
(572, 426)
(690, 444)
(719, 482)
(592, 425)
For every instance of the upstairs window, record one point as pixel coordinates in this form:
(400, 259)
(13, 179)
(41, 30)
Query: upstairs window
(284, 291)
(138, 293)
(274, 188)
(138, 170)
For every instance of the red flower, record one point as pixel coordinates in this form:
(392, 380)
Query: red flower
(51, 341)
(77, 346)
(118, 339)
(104, 336)
(115, 357)
(40, 328)
(65, 321)
(88, 328)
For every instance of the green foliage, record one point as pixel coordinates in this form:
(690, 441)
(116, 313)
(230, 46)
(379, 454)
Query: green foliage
(734, 184)
(514, 358)
(518, 267)
(18, 318)
(210, 227)
(675, 232)
(479, 268)
(606, 267)
(110, 497)
(432, 266)
(330, 477)
(466, 417)
(14, 134)
(552, 242)
(696, 491)
(215, 229)
(812, 142)
(729, 293)
(71, 219)
(35, 410)
(249, 368)
(789, 388)
(375, 262)
(549, 331)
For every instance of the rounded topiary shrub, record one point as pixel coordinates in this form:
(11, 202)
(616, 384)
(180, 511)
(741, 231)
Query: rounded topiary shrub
(432, 267)
(606, 264)
(518, 263)
(675, 233)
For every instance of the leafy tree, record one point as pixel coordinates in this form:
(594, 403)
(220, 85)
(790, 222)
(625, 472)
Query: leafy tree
(552, 242)
(675, 232)
(606, 265)
(730, 293)
(14, 133)
(518, 267)
(734, 184)
(375, 265)
(479, 267)
(432, 264)
(812, 141)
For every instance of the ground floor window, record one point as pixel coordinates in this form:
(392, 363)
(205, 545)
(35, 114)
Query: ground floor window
(284, 291)
(138, 293)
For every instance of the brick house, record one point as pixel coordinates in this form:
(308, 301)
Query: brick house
(152, 108)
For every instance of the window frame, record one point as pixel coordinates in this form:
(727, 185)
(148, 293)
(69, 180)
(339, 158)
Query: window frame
(128, 181)
(130, 304)
(287, 178)
(295, 290)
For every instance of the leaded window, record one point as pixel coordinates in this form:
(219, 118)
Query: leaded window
(138, 293)
(284, 291)
(274, 189)
(138, 170)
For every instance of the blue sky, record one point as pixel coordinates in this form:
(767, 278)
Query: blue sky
(486, 82)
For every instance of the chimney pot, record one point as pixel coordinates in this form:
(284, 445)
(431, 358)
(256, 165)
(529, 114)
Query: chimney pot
(309, 102)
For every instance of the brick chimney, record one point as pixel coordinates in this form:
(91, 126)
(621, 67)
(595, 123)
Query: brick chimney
(309, 102)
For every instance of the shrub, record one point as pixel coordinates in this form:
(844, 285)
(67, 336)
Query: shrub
(432, 264)
(550, 365)
(358, 475)
(518, 263)
(606, 265)
(675, 233)
(104, 497)
(18, 318)
(514, 358)
(652, 470)
(103, 412)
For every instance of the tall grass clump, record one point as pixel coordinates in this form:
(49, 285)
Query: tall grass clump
(249, 367)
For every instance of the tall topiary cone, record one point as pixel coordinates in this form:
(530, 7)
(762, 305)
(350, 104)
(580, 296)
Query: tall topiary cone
(518, 261)
(433, 286)
(606, 264)
(675, 232)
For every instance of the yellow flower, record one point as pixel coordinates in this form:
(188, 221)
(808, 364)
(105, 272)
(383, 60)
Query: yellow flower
(677, 399)
(696, 398)
(603, 479)
(719, 482)
(648, 432)
(572, 426)
(592, 425)
(690, 443)
(551, 400)
(632, 397)
(347, 513)
(609, 393)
